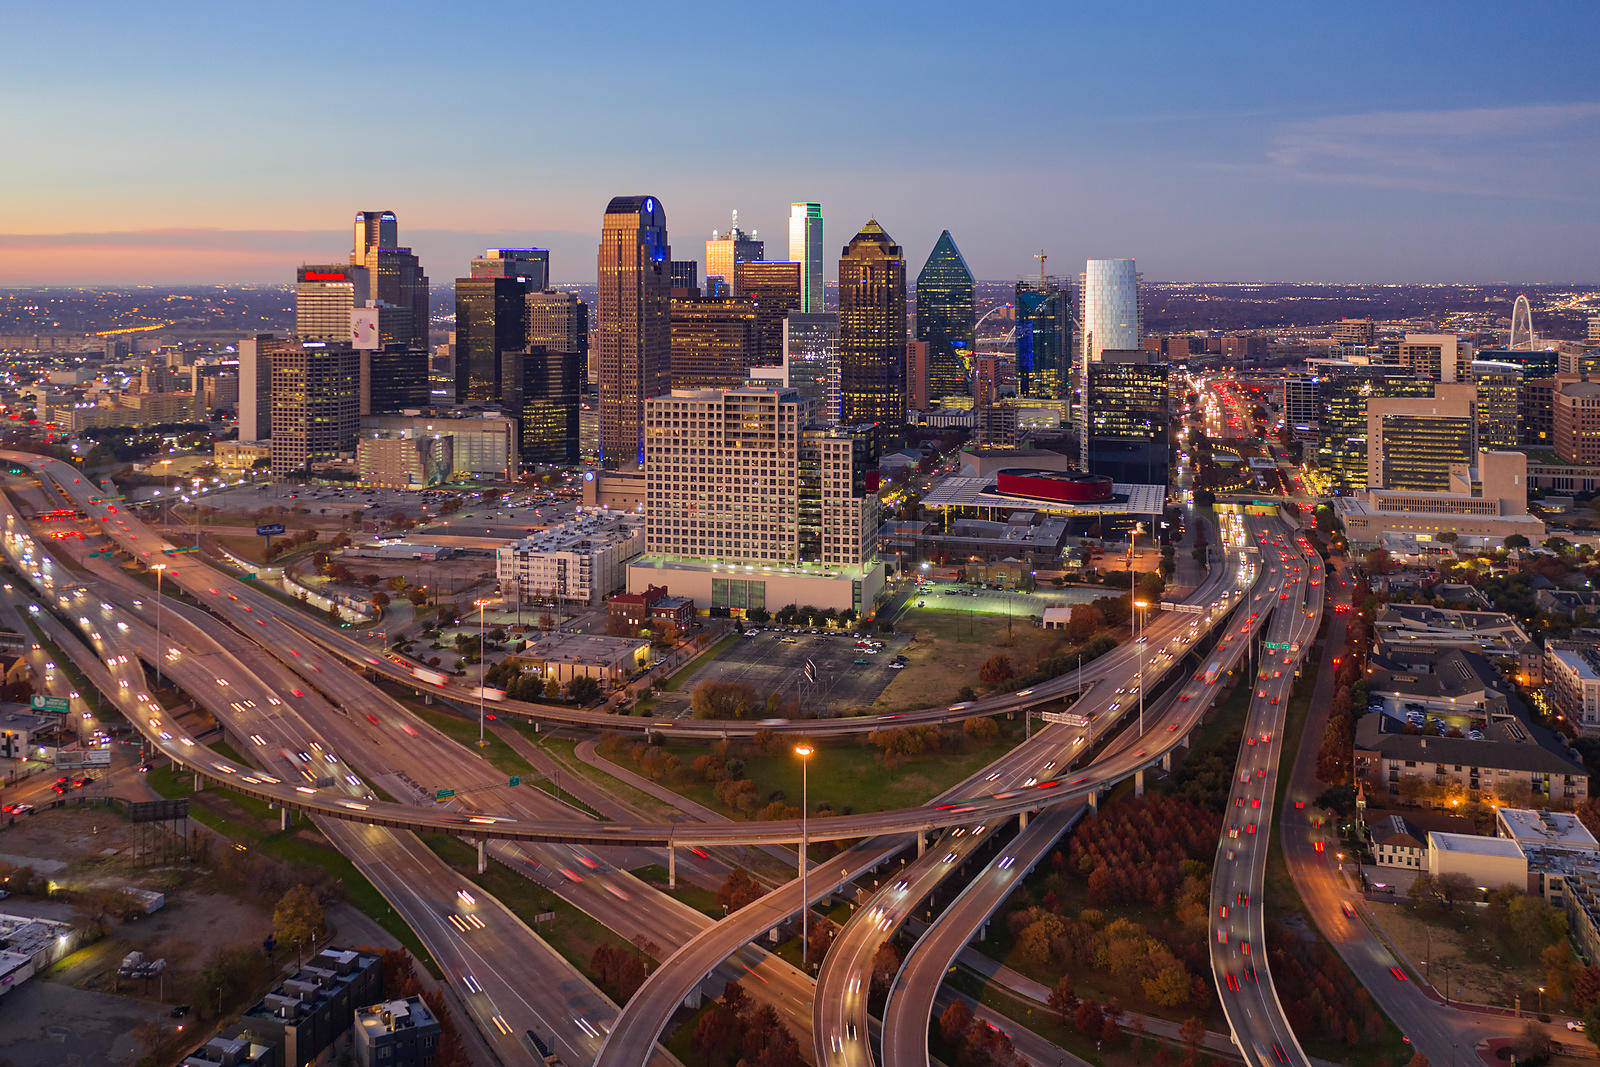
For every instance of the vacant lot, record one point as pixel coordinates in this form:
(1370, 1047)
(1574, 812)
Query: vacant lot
(946, 648)
(776, 663)
(1463, 955)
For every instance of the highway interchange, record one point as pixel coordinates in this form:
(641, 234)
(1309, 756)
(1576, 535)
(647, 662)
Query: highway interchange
(326, 736)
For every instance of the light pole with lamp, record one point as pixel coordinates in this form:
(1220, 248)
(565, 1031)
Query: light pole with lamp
(804, 751)
(158, 568)
(483, 666)
(1138, 606)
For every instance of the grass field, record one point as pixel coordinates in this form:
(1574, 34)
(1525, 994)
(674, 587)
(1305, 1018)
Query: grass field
(948, 647)
(848, 774)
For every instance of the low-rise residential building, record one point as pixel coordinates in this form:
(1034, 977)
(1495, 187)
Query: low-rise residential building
(1450, 683)
(582, 561)
(1514, 763)
(238, 1050)
(1572, 682)
(396, 1033)
(1567, 602)
(309, 1010)
(1397, 843)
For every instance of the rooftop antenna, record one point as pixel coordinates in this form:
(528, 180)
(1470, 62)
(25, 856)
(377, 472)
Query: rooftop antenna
(1041, 256)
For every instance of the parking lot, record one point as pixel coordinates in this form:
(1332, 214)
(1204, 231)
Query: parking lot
(775, 662)
(950, 596)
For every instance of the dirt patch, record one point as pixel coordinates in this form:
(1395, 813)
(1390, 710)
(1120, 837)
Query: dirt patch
(1467, 960)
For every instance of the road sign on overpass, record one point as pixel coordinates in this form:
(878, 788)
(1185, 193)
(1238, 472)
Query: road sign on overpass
(443, 794)
(1192, 609)
(1065, 718)
(1281, 646)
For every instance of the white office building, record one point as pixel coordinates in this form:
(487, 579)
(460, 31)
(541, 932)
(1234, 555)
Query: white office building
(805, 248)
(1109, 299)
(582, 561)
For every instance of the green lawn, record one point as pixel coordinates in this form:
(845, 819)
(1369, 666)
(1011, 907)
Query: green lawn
(847, 773)
(948, 647)
(561, 750)
(701, 900)
(684, 673)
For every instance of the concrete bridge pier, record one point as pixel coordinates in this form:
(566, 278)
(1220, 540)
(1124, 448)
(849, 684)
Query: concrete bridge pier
(1022, 821)
(283, 818)
(922, 843)
(483, 854)
(1138, 783)
(1166, 761)
(1094, 800)
(672, 867)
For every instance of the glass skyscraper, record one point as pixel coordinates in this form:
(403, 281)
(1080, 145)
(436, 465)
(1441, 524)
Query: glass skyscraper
(1044, 340)
(811, 353)
(945, 318)
(632, 336)
(1110, 307)
(725, 251)
(872, 331)
(805, 248)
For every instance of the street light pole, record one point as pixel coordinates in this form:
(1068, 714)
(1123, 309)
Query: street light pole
(158, 568)
(1139, 605)
(804, 751)
(483, 666)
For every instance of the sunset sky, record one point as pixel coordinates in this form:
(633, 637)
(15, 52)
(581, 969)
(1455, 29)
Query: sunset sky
(186, 142)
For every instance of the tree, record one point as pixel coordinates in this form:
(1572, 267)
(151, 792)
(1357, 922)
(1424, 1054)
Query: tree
(820, 940)
(583, 689)
(1170, 987)
(298, 916)
(996, 671)
(1515, 542)
(738, 889)
(1191, 1033)
(954, 1022)
(1063, 1001)
(380, 599)
(981, 729)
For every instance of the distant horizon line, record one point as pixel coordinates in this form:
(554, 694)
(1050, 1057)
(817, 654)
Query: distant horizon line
(832, 282)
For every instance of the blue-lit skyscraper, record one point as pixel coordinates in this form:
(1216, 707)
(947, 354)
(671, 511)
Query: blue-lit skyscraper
(632, 335)
(1044, 340)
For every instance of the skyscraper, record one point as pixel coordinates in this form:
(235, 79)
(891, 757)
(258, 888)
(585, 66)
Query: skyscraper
(491, 320)
(528, 265)
(315, 403)
(714, 343)
(1110, 307)
(1044, 340)
(632, 327)
(541, 391)
(686, 279)
(324, 296)
(394, 274)
(559, 322)
(725, 251)
(775, 289)
(945, 317)
(805, 248)
(872, 331)
(1126, 401)
(811, 352)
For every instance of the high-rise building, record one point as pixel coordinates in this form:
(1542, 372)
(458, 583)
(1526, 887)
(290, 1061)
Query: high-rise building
(1109, 304)
(376, 325)
(394, 274)
(1126, 401)
(1535, 362)
(1412, 442)
(872, 332)
(1594, 326)
(774, 289)
(1576, 418)
(255, 385)
(315, 403)
(811, 354)
(917, 375)
(559, 322)
(531, 266)
(1300, 408)
(686, 279)
(725, 251)
(1355, 332)
(632, 322)
(806, 249)
(1044, 340)
(324, 297)
(1342, 397)
(714, 343)
(945, 318)
(491, 320)
(392, 379)
(1499, 403)
(1443, 357)
(542, 390)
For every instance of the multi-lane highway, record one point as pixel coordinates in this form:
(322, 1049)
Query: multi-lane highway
(1238, 921)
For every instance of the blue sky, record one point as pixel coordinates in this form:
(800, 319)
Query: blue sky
(175, 141)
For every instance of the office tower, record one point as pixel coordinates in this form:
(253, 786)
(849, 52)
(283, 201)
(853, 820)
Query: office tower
(1443, 357)
(1499, 403)
(1342, 397)
(1109, 304)
(1535, 362)
(324, 296)
(994, 376)
(559, 322)
(394, 274)
(945, 317)
(632, 322)
(255, 385)
(1575, 415)
(811, 353)
(1044, 339)
(1126, 401)
(917, 375)
(531, 266)
(722, 481)
(542, 391)
(1594, 328)
(375, 325)
(1355, 332)
(775, 291)
(872, 332)
(725, 251)
(491, 320)
(315, 403)
(392, 379)
(1300, 408)
(686, 279)
(805, 248)
(714, 343)
(1413, 441)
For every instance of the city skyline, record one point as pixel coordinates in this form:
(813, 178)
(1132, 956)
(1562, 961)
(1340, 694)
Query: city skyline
(1222, 161)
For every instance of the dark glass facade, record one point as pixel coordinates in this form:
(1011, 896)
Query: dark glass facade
(1128, 422)
(872, 332)
(1044, 340)
(491, 319)
(945, 318)
(714, 342)
(632, 331)
(1419, 449)
(393, 380)
(542, 392)
(1342, 399)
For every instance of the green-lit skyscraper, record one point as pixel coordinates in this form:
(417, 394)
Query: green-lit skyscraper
(945, 318)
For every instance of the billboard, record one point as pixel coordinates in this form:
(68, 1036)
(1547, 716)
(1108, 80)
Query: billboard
(158, 810)
(269, 529)
(78, 758)
(49, 705)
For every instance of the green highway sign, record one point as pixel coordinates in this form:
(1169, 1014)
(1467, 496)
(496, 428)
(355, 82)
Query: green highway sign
(443, 794)
(516, 779)
(1284, 647)
(247, 577)
(56, 705)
